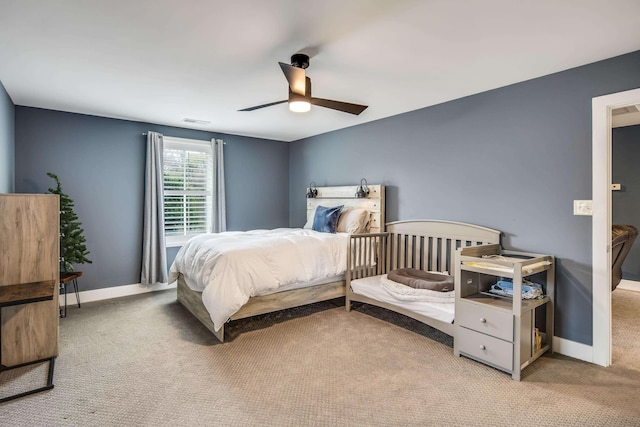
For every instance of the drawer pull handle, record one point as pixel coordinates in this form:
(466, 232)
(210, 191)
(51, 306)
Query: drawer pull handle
(483, 320)
(482, 347)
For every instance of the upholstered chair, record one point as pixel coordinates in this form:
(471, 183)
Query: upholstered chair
(622, 238)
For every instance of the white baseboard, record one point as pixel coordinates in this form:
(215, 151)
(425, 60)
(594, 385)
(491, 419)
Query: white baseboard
(629, 285)
(114, 292)
(573, 349)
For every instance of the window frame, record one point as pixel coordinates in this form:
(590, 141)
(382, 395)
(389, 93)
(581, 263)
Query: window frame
(183, 144)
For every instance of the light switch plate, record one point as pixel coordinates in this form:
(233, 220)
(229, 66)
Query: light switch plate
(583, 207)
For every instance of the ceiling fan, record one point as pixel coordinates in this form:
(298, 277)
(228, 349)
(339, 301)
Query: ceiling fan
(300, 99)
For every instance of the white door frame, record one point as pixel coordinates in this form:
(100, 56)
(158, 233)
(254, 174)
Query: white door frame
(601, 221)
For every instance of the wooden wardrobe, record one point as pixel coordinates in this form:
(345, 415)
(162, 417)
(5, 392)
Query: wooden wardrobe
(29, 271)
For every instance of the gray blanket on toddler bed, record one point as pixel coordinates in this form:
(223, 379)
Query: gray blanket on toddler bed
(419, 279)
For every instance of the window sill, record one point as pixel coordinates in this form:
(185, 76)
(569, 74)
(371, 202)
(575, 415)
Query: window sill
(174, 244)
(177, 241)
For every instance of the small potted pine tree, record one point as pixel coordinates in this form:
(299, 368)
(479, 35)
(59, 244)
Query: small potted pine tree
(72, 243)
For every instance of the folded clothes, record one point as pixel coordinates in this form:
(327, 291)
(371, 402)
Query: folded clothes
(419, 279)
(530, 290)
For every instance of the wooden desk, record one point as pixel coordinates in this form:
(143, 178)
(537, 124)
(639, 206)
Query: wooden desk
(29, 268)
(28, 293)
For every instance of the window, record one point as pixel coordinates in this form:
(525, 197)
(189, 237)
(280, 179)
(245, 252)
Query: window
(188, 184)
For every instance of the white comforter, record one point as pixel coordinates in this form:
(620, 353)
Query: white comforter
(231, 267)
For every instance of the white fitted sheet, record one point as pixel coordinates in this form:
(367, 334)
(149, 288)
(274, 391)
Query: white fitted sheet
(371, 287)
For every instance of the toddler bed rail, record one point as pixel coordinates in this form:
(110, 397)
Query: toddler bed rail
(428, 245)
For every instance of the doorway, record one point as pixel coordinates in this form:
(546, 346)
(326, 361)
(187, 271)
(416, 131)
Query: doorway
(602, 108)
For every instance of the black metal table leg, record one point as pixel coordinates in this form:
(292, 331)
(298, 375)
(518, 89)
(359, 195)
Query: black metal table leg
(49, 385)
(75, 286)
(63, 288)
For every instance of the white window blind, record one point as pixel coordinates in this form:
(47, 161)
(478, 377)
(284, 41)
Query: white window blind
(188, 184)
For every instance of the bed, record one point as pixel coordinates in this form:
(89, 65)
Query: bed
(426, 245)
(234, 275)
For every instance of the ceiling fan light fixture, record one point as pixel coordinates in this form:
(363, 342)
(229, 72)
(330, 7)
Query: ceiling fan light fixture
(299, 106)
(300, 98)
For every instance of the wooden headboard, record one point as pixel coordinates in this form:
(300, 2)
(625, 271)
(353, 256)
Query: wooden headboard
(345, 195)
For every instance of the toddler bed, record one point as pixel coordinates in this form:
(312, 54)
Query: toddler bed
(425, 245)
(233, 275)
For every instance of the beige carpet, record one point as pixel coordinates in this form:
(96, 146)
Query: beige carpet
(144, 360)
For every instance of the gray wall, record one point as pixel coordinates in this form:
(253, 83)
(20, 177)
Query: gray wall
(101, 163)
(7, 137)
(513, 159)
(625, 204)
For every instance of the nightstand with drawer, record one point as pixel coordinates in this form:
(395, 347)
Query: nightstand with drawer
(508, 333)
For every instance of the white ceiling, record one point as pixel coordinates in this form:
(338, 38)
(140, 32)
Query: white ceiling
(161, 61)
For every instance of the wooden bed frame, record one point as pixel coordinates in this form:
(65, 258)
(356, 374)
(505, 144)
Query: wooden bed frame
(428, 245)
(327, 196)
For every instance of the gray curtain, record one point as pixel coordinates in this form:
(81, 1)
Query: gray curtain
(219, 205)
(154, 255)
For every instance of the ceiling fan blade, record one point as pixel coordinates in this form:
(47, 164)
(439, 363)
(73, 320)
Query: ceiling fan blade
(295, 76)
(340, 106)
(264, 105)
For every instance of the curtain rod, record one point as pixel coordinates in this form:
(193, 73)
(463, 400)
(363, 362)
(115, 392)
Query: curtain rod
(145, 134)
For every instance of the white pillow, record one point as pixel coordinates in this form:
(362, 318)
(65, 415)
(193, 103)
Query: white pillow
(353, 221)
(311, 213)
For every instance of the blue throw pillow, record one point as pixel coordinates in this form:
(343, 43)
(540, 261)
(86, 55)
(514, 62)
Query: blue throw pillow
(326, 219)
